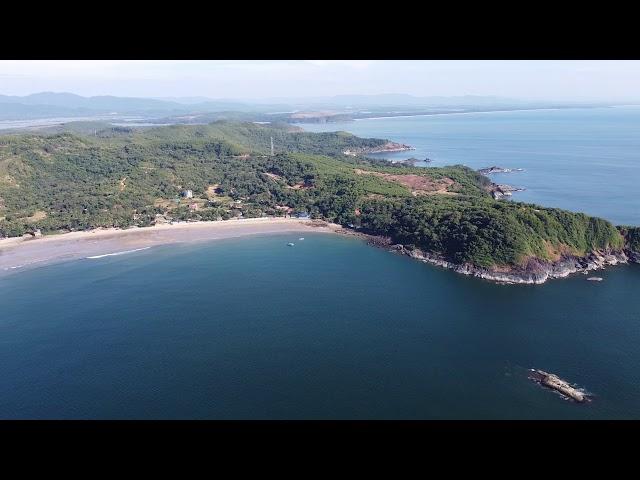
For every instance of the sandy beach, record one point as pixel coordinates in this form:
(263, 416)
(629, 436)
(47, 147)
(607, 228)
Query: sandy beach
(17, 254)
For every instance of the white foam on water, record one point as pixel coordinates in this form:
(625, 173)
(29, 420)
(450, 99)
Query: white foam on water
(117, 253)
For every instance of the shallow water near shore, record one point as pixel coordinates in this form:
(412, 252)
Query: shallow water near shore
(328, 328)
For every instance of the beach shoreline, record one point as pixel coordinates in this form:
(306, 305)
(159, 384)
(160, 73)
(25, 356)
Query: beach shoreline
(19, 254)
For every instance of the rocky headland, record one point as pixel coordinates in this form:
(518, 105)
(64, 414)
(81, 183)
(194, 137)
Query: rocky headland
(494, 169)
(385, 148)
(534, 271)
(499, 191)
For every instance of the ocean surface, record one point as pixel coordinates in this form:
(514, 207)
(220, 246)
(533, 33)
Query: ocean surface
(330, 328)
(334, 329)
(585, 160)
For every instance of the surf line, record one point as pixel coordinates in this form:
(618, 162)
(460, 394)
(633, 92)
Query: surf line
(117, 253)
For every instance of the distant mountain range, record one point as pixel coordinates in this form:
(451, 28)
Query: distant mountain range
(51, 104)
(70, 100)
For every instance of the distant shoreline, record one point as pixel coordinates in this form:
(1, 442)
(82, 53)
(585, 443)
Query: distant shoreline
(19, 254)
(477, 111)
(466, 112)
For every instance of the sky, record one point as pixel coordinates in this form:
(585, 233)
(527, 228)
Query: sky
(609, 80)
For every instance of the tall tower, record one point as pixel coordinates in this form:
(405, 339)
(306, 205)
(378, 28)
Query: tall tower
(271, 146)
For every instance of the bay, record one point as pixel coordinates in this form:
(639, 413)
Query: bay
(328, 329)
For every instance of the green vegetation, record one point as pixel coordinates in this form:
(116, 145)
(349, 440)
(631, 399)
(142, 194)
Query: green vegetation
(256, 138)
(112, 176)
(632, 237)
(486, 232)
(120, 177)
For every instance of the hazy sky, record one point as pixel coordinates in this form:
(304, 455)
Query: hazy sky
(244, 79)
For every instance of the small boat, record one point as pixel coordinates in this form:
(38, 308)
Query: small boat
(595, 279)
(290, 244)
(301, 238)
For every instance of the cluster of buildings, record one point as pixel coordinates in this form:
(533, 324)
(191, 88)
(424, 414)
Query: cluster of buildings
(237, 206)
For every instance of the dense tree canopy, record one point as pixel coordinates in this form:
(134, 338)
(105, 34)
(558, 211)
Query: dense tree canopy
(121, 177)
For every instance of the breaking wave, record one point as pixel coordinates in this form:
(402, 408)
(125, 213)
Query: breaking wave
(118, 253)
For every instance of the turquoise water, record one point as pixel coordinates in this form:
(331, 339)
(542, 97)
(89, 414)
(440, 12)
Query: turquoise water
(585, 160)
(330, 328)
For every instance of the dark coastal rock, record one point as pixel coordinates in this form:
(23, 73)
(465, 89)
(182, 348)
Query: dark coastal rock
(378, 241)
(411, 162)
(499, 191)
(387, 147)
(536, 271)
(494, 169)
(634, 257)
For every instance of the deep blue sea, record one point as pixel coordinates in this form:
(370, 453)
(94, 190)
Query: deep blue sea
(329, 328)
(585, 160)
(334, 329)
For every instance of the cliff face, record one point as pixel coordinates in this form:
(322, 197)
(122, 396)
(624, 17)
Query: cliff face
(632, 242)
(631, 237)
(536, 271)
(633, 256)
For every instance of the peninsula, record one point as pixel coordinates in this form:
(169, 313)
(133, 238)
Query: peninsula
(81, 178)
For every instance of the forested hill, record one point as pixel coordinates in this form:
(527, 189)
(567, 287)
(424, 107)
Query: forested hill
(115, 176)
(243, 137)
